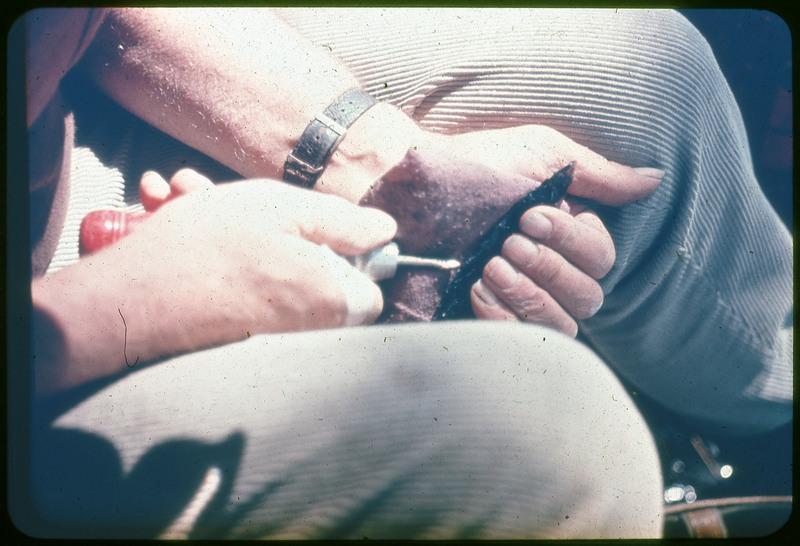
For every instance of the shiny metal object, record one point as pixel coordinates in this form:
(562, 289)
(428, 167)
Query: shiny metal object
(382, 263)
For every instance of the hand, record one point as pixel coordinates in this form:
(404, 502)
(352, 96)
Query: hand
(300, 221)
(536, 151)
(211, 265)
(548, 274)
(443, 201)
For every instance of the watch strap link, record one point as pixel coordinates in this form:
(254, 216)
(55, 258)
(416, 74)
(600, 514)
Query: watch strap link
(306, 161)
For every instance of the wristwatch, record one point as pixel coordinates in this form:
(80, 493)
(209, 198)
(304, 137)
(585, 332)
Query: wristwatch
(307, 160)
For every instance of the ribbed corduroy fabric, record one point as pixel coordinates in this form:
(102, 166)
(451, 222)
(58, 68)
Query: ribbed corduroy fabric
(466, 430)
(698, 309)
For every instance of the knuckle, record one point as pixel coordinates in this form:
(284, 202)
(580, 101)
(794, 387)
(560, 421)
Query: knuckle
(564, 237)
(538, 131)
(551, 268)
(605, 261)
(546, 267)
(532, 305)
(550, 136)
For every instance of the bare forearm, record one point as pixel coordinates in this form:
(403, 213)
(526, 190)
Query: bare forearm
(78, 330)
(237, 84)
(121, 308)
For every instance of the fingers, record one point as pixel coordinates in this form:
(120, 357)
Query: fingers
(486, 305)
(342, 228)
(154, 190)
(346, 228)
(599, 179)
(581, 239)
(538, 151)
(283, 244)
(516, 292)
(364, 300)
(548, 273)
(324, 228)
(327, 227)
(611, 183)
(575, 291)
(268, 205)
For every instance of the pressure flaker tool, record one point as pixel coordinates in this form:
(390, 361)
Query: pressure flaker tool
(101, 228)
(383, 262)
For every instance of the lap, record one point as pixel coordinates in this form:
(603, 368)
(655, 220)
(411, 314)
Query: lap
(411, 430)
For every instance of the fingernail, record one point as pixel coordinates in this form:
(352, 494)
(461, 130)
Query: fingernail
(537, 225)
(484, 294)
(650, 172)
(502, 274)
(520, 250)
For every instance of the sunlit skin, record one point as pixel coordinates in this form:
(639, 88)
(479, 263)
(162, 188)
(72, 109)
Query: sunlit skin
(211, 265)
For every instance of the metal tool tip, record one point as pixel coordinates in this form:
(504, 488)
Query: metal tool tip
(417, 261)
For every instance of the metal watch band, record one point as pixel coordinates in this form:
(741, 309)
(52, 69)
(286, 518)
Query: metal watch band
(307, 161)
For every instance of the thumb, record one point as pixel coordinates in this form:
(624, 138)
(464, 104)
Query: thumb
(611, 183)
(344, 227)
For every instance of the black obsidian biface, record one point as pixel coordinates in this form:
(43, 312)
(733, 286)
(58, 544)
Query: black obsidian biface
(456, 298)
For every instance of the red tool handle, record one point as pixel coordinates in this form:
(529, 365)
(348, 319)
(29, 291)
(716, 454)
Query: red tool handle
(101, 228)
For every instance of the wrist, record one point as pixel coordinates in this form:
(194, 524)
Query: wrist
(78, 333)
(61, 331)
(373, 144)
